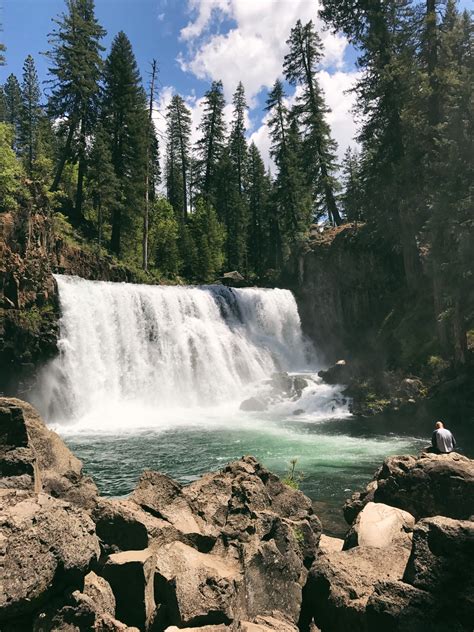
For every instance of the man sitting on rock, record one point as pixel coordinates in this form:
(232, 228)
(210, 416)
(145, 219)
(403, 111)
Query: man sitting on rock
(442, 440)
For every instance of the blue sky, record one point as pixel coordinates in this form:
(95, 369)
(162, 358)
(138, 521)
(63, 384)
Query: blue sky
(196, 41)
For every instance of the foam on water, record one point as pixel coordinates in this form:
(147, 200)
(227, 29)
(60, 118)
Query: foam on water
(138, 356)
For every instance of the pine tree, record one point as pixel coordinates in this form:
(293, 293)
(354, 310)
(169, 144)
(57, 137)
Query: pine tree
(3, 106)
(208, 236)
(164, 235)
(178, 118)
(291, 196)
(2, 51)
(352, 187)
(76, 71)
(384, 32)
(10, 171)
(212, 141)
(126, 121)
(231, 190)
(12, 92)
(300, 67)
(30, 112)
(258, 191)
(102, 184)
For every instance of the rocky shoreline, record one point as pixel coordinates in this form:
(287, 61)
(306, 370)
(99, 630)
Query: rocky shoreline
(236, 550)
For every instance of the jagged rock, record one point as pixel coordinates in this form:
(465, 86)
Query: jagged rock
(194, 588)
(380, 525)
(233, 278)
(267, 624)
(97, 589)
(354, 505)
(328, 544)
(290, 386)
(442, 563)
(428, 485)
(47, 545)
(395, 606)
(77, 612)
(260, 535)
(123, 525)
(131, 576)
(340, 584)
(254, 404)
(164, 498)
(339, 373)
(204, 628)
(35, 458)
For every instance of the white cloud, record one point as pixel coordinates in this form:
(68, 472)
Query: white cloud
(254, 49)
(340, 118)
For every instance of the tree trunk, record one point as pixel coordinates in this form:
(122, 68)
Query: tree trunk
(64, 157)
(116, 232)
(146, 216)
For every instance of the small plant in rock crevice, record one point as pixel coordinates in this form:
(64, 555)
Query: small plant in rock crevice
(293, 478)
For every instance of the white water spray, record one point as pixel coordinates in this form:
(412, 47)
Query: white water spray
(133, 355)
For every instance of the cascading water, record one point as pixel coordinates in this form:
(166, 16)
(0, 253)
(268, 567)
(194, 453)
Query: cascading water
(167, 348)
(153, 377)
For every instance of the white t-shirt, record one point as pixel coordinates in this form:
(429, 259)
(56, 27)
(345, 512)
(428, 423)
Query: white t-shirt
(444, 440)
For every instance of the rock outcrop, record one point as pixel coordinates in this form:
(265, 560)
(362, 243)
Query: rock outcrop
(428, 485)
(34, 458)
(229, 548)
(47, 546)
(380, 526)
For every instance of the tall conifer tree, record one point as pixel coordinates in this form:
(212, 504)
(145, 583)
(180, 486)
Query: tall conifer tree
(212, 141)
(178, 119)
(12, 93)
(126, 121)
(30, 111)
(76, 71)
(300, 66)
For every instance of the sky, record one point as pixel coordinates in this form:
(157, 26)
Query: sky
(195, 42)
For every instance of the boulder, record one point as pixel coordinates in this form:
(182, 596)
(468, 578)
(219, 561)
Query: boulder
(75, 612)
(442, 563)
(131, 576)
(254, 404)
(395, 606)
(123, 525)
(97, 589)
(242, 545)
(162, 497)
(339, 373)
(267, 624)
(194, 588)
(354, 505)
(328, 544)
(35, 458)
(380, 525)
(341, 583)
(428, 485)
(47, 546)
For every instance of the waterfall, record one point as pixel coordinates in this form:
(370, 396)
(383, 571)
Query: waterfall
(166, 346)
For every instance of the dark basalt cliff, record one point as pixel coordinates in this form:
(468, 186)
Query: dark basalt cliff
(32, 248)
(355, 307)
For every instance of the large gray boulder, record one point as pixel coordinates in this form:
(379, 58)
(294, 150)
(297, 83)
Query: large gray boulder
(428, 485)
(35, 458)
(194, 588)
(380, 525)
(47, 546)
(341, 583)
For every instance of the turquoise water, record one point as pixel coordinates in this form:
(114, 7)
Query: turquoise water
(335, 457)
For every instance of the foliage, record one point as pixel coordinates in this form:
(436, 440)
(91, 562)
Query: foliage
(10, 171)
(292, 477)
